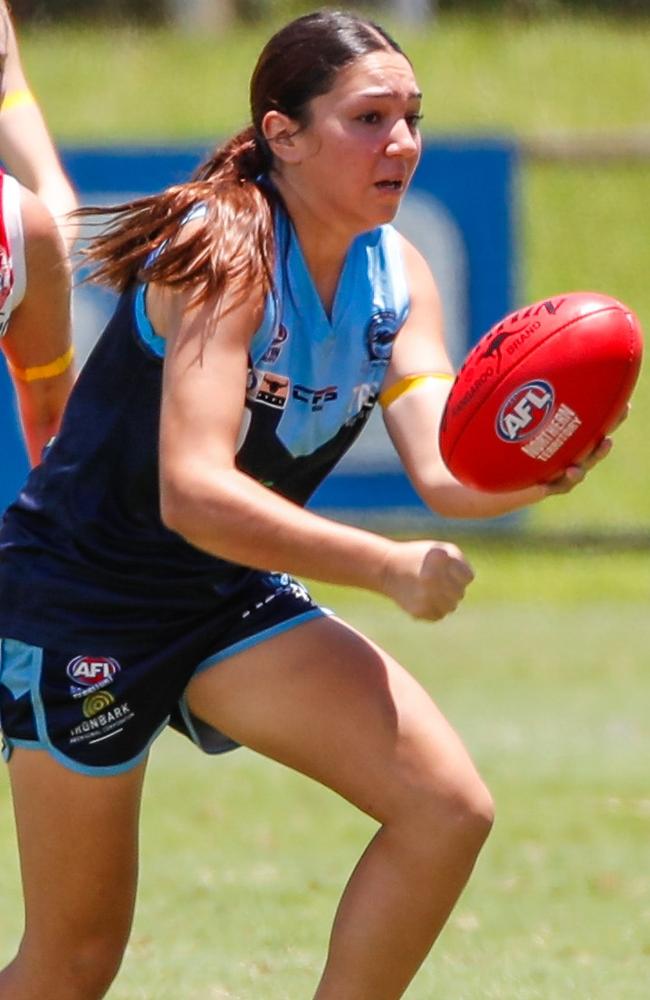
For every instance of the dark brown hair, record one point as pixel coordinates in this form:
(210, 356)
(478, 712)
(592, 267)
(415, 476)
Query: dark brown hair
(234, 245)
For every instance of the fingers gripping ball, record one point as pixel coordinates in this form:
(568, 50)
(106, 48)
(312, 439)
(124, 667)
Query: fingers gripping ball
(540, 390)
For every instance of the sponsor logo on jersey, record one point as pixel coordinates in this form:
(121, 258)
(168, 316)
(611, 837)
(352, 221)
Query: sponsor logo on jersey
(108, 721)
(525, 411)
(275, 347)
(93, 704)
(380, 335)
(270, 389)
(315, 398)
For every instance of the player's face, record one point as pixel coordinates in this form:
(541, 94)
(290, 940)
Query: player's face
(362, 142)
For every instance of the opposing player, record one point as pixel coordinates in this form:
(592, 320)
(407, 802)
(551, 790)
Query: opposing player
(35, 333)
(35, 282)
(26, 147)
(266, 305)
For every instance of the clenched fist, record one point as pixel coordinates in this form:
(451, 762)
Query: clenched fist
(428, 579)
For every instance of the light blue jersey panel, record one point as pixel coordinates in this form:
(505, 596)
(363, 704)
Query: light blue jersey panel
(322, 371)
(313, 379)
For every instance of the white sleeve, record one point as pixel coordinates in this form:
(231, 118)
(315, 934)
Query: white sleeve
(13, 274)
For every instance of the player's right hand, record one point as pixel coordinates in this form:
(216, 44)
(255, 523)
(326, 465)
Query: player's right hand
(426, 578)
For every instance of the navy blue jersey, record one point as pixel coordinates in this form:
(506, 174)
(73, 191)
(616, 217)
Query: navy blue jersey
(83, 550)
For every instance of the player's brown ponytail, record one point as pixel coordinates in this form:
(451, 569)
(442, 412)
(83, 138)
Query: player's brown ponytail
(233, 244)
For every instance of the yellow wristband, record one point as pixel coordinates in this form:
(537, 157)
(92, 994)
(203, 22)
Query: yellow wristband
(410, 382)
(17, 99)
(44, 371)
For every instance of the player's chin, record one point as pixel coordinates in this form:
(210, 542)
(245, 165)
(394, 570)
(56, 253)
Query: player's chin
(386, 207)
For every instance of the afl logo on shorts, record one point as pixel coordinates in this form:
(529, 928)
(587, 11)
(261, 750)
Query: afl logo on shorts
(525, 411)
(88, 671)
(381, 332)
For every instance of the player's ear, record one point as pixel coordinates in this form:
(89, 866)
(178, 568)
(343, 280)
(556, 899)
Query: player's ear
(281, 133)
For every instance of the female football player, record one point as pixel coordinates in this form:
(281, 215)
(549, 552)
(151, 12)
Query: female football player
(146, 571)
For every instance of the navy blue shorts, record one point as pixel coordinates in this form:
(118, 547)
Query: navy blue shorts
(99, 714)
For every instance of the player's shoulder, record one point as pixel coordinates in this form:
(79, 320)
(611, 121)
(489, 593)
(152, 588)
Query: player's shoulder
(422, 284)
(413, 258)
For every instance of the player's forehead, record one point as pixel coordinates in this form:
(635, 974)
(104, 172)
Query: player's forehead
(383, 73)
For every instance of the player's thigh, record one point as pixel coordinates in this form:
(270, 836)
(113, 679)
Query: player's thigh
(324, 700)
(77, 838)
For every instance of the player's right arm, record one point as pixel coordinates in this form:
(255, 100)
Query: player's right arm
(218, 508)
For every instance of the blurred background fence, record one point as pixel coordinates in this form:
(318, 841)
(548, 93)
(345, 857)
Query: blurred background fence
(565, 86)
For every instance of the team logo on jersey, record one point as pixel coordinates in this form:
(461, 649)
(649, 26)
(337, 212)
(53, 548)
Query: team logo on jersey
(269, 388)
(91, 673)
(275, 347)
(525, 411)
(381, 332)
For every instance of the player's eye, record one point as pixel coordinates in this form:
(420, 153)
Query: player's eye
(370, 118)
(413, 121)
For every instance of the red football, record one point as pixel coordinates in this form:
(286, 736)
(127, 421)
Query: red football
(540, 390)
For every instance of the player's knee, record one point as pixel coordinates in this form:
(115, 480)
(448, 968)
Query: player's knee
(470, 813)
(459, 812)
(95, 969)
(82, 971)
(97, 961)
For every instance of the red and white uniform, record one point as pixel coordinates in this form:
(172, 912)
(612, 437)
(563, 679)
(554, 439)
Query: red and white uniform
(12, 250)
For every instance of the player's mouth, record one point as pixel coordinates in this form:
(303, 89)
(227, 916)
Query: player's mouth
(397, 185)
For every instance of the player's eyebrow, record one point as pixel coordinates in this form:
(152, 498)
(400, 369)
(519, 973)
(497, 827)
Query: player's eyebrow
(413, 95)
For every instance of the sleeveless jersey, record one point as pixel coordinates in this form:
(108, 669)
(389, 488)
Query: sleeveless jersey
(83, 549)
(12, 250)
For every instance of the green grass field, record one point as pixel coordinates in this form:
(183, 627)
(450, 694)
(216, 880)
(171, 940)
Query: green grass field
(543, 670)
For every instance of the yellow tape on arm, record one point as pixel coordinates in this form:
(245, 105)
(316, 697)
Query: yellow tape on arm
(54, 368)
(410, 382)
(17, 99)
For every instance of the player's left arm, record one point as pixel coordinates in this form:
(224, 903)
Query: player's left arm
(413, 399)
(38, 342)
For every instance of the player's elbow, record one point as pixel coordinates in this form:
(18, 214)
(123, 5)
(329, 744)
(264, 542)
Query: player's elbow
(191, 500)
(179, 495)
(439, 490)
